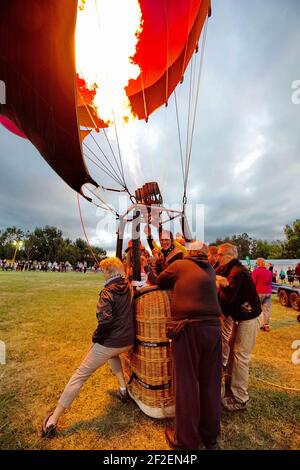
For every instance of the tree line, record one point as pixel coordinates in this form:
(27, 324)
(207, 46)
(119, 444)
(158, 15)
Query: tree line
(46, 244)
(289, 248)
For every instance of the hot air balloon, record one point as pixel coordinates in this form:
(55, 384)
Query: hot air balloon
(52, 100)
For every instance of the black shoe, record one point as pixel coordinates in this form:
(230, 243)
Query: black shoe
(48, 431)
(231, 404)
(170, 434)
(124, 397)
(211, 445)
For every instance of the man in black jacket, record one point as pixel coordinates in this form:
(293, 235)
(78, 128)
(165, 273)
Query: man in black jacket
(241, 307)
(197, 349)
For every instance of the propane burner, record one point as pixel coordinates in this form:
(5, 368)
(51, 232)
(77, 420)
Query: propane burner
(149, 194)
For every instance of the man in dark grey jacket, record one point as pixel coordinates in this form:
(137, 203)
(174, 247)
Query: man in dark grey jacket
(196, 334)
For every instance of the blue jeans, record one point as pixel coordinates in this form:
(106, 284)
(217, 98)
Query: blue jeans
(265, 300)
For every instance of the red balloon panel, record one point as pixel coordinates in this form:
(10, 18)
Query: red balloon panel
(166, 29)
(10, 126)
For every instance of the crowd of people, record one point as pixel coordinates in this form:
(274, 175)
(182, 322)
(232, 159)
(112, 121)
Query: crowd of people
(217, 308)
(44, 266)
(291, 275)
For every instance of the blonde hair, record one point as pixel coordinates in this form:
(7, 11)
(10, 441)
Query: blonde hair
(112, 266)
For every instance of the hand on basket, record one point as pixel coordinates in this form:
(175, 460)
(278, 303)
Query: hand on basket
(221, 281)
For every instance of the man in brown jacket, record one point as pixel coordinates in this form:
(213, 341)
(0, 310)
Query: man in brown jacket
(196, 349)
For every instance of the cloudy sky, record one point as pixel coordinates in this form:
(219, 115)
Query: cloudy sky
(245, 167)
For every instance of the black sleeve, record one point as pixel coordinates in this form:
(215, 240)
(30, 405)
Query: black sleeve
(150, 242)
(152, 278)
(229, 294)
(167, 278)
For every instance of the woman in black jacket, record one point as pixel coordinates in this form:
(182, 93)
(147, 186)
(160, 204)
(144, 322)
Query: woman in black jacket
(113, 336)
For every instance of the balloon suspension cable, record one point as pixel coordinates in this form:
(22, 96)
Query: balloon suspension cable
(120, 156)
(100, 165)
(103, 167)
(193, 111)
(108, 161)
(84, 231)
(113, 153)
(179, 135)
(111, 172)
(119, 178)
(107, 206)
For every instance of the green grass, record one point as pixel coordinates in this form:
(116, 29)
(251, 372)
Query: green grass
(46, 321)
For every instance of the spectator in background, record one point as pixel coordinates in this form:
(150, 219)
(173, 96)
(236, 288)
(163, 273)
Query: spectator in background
(274, 273)
(213, 256)
(262, 279)
(290, 275)
(84, 266)
(282, 275)
(297, 272)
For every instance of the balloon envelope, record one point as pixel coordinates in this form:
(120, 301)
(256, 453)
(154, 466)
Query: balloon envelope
(38, 67)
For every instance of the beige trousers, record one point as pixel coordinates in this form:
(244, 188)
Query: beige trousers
(243, 345)
(97, 356)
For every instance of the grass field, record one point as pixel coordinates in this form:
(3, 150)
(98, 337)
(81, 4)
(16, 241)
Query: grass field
(46, 321)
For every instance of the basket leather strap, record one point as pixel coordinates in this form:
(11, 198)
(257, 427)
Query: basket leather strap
(148, 386)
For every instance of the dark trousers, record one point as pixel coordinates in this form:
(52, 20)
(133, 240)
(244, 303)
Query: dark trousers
(197, 356)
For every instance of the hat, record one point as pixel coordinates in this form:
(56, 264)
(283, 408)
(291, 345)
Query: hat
(130, 245)
(197, 246)
(180, 240)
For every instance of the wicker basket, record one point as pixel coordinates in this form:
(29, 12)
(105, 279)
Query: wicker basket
(148, 369)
